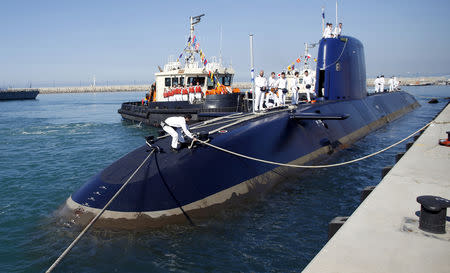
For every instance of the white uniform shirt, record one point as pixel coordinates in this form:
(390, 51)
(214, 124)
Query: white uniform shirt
(272, 82)
(376, 82)
(328, 33)
(282, 83)
(396, 82)
(337, 31)
(260, 82)
(391, 82)
(382, 82)
(308, 80)
(178, 122)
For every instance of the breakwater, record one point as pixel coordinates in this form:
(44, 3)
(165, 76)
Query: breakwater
(404, 81)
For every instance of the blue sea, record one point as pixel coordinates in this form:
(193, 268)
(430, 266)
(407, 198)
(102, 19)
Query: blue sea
(50, 146)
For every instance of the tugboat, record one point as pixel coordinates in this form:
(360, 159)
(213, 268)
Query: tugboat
(160, 187)
(200, 89)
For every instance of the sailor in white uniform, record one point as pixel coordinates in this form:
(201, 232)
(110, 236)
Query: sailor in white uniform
(391, 84)
(308, 82)
(382, 82)
(328, 32)
(272, 81)
(376, 84)
(173, 127)
(271, 99)
(396, 83)
(260, 90)
(337, 31)
(282, 89)
(295, 87)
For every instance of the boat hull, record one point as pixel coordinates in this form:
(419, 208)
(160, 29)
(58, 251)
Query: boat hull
(204, 180)
(19, 95)
(156, 112)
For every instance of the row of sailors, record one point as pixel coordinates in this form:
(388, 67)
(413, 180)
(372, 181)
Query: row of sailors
(183, 93)
(329, 33)
(274, 91)
(379, 83)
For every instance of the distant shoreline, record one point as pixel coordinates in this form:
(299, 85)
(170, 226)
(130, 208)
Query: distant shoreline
(404, 81)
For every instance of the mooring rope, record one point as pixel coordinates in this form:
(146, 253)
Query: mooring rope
(57, 261)
(316, 166)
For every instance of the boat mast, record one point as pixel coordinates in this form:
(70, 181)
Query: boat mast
(252, 72)
(190, 50)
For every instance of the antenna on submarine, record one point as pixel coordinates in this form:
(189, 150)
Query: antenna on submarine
(336, 13)
(252, 71)
(220, 46)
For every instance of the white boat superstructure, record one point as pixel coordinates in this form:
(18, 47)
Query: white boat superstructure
(206, 72)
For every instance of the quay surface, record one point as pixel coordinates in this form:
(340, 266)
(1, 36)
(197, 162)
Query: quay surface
(382, 235)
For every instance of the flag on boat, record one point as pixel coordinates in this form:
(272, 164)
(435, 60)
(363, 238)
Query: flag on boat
(205, 62)
(298, 60)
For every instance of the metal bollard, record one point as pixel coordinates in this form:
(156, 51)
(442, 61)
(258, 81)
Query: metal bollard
(433, 211)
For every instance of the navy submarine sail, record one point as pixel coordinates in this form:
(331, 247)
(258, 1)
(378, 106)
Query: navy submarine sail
(202, 179)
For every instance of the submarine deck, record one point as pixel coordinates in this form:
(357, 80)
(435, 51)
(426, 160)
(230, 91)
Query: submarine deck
(382, 235)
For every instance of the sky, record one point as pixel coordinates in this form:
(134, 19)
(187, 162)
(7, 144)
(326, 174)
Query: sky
(63, 42)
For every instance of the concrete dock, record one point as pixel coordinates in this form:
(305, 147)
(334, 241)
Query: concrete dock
(382, 235)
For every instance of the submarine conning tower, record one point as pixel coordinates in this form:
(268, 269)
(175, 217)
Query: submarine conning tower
(341, 69)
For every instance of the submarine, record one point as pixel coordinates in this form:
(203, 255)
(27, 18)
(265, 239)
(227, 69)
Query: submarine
(164, 187)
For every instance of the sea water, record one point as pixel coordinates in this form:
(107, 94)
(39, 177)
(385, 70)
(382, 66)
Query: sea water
(49, 147)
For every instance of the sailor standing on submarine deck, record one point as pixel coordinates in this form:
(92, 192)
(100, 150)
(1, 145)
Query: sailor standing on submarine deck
(376, 83)
(382, 82)
(308, 81)
(173, 127)
(260, 90)
(282, 89)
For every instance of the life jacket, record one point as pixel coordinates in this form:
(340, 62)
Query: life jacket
(185, 91)
(236, 90)
(165, 94)
(170, 93)
(191, 89)
(198, 89)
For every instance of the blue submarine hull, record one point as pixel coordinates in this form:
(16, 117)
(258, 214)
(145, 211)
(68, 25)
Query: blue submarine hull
(203, 180)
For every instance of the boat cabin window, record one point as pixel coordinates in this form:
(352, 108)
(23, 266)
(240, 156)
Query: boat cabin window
(182, 80)
(194, 80)
(167, 82)
(211, 84)
(225, 80)
(174, 81)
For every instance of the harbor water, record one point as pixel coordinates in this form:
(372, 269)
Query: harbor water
(49, 147)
